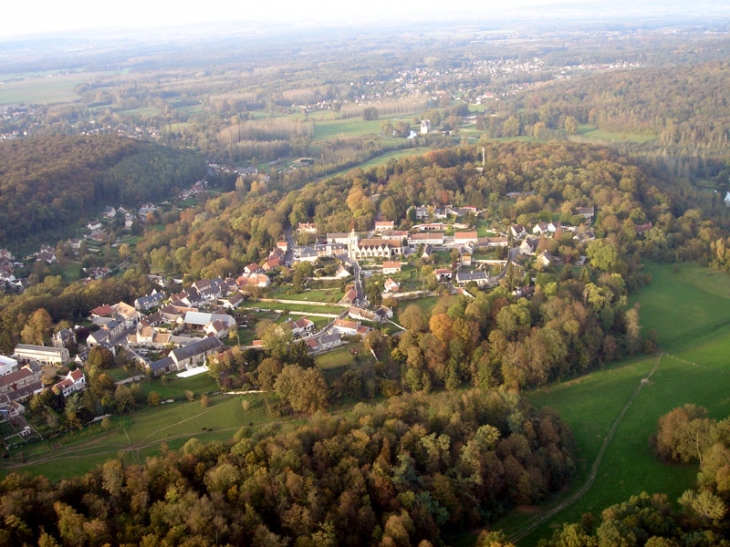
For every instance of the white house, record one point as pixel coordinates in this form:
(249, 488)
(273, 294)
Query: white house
(74, 381)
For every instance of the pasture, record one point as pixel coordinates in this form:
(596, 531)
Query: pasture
(140, 434)
(590, 132)
(688, 307)
(43, 89)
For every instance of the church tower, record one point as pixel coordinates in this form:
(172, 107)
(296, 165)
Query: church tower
(353, 244)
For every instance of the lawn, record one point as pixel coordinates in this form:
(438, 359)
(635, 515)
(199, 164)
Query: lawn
(341, 357)
(425, 304)
(694, 371)
(319, 295)
(311, 308)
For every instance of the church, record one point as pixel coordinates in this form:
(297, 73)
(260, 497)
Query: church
(373, 248)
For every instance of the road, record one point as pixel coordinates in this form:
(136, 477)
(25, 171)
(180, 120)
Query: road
(360, 301)
(550, 513)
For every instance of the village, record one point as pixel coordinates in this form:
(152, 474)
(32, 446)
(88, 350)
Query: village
(349, 285)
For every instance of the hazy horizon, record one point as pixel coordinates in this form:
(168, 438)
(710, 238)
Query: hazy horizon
(43, 18)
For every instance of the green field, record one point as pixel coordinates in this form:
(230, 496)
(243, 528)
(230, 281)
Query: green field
(688, 307)
(44, 89)
(591, 132)
(394, 155)
(139, 435)
(293, 307)
(142, 112)
(345, 128)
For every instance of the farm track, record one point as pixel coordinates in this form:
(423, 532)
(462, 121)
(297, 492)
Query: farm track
(583, 490)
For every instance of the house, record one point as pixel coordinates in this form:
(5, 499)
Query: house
(283, 246)
(443, 274)
(109, 212)
(493, 241)
(383, 225)
(186, 357)
(198, 320)
(465, 256)
(152, 300)
(465, 238)
(312, 345)
(523, 292)
(584, 235)
(73, 382)
(480, 278)
(427, 252)
(115, 329)
(345, 327)
(21, 384)
(421, 212)
(361, 314)
(391, 267)
(545, 259)
(270, 264)
(641, 229)
(146, 335)
(426, 238)
(300, 327)
(102, 311)
(350, 296)
(63, 338)
(45, 355)
(425, 127)
(391, 286)
(97, 338)
(540, 228)
(94, 225)
(586, 212)
(338, 237)
(307, 227)
(328, 341)
(127, 314)
(528, 246)
(7, 365)
(259, 280)
(251, 269)
(216, 328)
(518, 231)
(342, 272)
(232, 302)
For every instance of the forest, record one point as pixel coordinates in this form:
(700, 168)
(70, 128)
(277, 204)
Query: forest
(399, 473)
(50, 185)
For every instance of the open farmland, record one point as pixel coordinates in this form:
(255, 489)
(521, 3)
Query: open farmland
(694, 370)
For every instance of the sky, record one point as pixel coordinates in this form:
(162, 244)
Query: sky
(32, 17)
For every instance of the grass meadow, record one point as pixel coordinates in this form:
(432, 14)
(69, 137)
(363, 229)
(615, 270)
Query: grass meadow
(43, 89)
(688, 306)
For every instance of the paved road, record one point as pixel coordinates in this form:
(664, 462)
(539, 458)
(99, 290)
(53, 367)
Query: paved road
(541, 519)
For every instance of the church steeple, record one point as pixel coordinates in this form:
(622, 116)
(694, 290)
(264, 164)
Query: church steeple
(353, 243)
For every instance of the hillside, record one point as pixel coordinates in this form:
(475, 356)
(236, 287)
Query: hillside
(49, 184)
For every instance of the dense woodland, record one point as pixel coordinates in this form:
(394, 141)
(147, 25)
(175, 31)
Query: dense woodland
(398, 473)
(49, 184)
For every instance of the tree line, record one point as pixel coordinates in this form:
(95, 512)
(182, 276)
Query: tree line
(403, 472)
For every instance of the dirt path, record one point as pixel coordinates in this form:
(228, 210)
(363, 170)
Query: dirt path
(550, 513)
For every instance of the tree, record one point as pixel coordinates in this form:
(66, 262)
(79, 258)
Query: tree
(38, 327)
(100, 358)
(370, 114)
(571, 125)
(304, 390)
